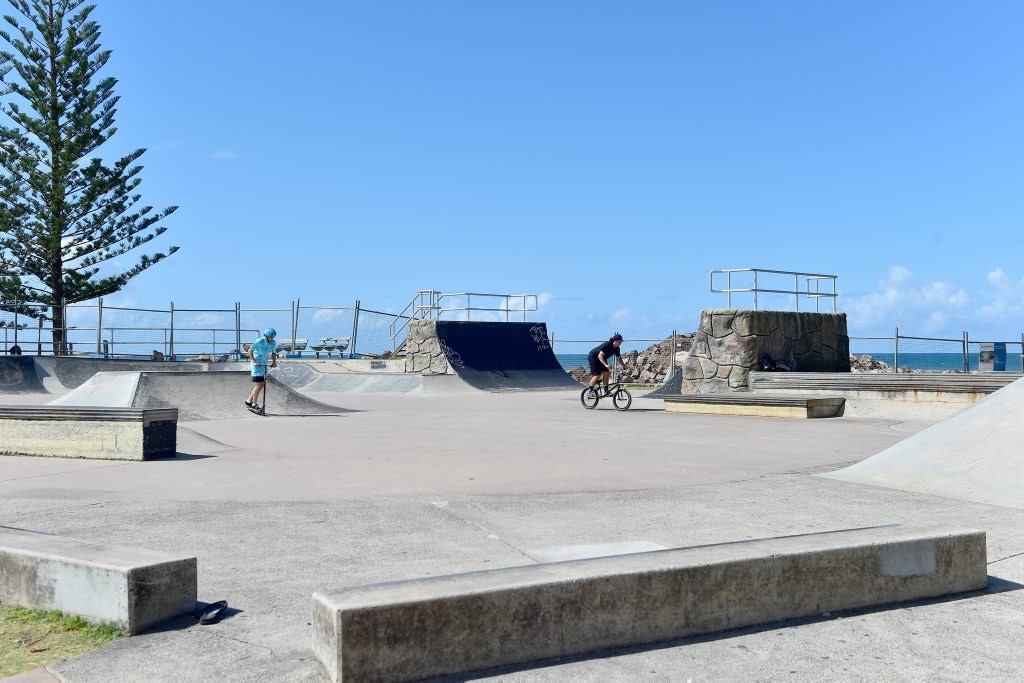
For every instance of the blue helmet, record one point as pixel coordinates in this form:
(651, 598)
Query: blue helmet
(270, 333)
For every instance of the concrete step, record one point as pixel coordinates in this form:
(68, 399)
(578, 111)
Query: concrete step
(761, 405)
(450, 625)
(880, 382)
(130, 588)
(89, 432)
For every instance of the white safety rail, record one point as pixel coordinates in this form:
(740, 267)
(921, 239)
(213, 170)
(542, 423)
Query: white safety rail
(812, 285)
(430, 304)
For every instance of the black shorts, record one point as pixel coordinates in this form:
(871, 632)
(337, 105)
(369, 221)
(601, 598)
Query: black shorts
(596, 368)
(259, 379)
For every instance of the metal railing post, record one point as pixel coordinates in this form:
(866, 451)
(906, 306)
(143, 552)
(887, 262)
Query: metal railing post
(16, 304)
(355, 331)
(99, 324)
(967, 367)
(728, 289)
(295, 322)
(171, 344)
(238, 326)
(672, 358)
(896, 350)
(796, 291)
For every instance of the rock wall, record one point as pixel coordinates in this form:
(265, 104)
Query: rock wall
(729, 344)
(424, 354)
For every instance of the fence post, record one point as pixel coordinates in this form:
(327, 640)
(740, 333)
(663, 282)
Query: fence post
(672, 358)
(296, 307)
(967, 367)
(896, 351)
(1021, 348)
(99, 325)
(39, 338)
(171, 347)
(355, 331)
(238, 327)
(16, 326)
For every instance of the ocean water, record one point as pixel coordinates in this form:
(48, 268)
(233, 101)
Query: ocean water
(940, 362)
(571, 360)
(934, 362)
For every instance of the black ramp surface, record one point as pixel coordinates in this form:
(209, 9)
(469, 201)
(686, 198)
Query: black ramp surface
(502, 356)
(219, 395)
(18, 376)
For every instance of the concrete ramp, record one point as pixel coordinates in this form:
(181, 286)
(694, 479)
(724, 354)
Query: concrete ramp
(312, 379)
(975, 454)
(56, 375)
(503, 356)
(196, 395)
(18, 376)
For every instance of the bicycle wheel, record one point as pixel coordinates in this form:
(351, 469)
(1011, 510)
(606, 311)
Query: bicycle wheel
(589, 398)
(622, 399)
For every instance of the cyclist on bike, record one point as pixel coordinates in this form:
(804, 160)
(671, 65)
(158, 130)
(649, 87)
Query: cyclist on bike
(599, 359)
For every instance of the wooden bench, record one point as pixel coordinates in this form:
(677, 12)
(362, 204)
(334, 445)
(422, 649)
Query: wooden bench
(762, 405)
(89, 432)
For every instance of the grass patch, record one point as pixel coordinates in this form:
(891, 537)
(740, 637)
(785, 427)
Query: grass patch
(32, 638)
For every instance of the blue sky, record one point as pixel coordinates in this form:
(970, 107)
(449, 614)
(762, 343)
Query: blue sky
(605, 155)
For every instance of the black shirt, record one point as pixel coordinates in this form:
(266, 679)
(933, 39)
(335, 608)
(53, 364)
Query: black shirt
(609, 350)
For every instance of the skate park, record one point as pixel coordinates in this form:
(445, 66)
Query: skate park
(431, 478)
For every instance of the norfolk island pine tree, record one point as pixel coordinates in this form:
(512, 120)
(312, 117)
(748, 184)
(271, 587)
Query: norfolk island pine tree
(63, 213)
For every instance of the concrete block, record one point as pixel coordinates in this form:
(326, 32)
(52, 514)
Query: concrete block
(130, 588)
(448, 625)
(89, 432)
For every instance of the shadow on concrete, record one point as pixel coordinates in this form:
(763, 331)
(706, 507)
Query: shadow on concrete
(186, 456)
(995, 585)
(192, 620)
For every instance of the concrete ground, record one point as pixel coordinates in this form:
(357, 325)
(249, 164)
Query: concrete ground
(405, 486)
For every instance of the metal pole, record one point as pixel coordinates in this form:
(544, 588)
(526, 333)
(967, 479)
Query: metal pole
(172, 330)
(755, 290)
(16, 324)
(295, 323)
(967, 362)
(672, 358)
(796, 291)
(39, 338)
(238, 327)
(896, 351)
(728, 289)
(469, 306)
(99, 325)
(355, 331)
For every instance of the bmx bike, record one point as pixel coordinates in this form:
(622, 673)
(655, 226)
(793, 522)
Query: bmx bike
(621, 398)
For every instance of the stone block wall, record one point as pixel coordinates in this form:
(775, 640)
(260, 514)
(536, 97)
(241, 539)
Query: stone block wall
(424, 352)
(729, 344)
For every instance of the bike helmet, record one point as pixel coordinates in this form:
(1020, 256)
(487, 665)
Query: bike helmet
(270, 333)
(616, 337)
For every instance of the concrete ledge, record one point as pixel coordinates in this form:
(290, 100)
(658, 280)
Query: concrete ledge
(761, 405)
(454, 624)
(917, 387)
(130, 588)
(89, 432)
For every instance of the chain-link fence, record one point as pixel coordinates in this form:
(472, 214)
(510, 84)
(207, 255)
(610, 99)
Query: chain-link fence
(213, 333)
(936, 354)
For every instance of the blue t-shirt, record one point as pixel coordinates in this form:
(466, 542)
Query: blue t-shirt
(262, 350)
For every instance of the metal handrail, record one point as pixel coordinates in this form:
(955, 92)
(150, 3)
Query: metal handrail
(427, 304)
(816, 278)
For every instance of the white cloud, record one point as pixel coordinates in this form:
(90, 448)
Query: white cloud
(621, 316)
(226, 154)
(1006, 299)
(905, 299)
(922, 307)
